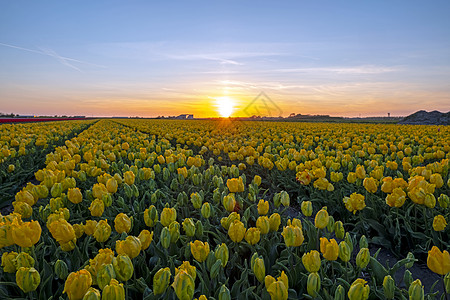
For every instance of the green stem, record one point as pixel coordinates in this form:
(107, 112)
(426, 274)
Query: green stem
(443, 286)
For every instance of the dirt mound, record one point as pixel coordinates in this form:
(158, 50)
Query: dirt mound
(427, 118)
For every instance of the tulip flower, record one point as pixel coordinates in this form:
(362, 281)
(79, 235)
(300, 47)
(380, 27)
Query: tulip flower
(28, 279)
(199, 250)
(122, 223)
(438, 262)
(168, 215)
(113, 291)
(321, 219)
(236, 231)
(311, 261)
(184, 285)
(293, 236)
(354, 203)
(359, 290)
(77, 284)
(329, 248)
(253, 235)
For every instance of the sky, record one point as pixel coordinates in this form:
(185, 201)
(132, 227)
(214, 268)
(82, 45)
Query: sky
(216, 58)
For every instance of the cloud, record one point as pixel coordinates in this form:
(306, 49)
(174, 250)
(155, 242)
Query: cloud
(356, 70)
(67, 61)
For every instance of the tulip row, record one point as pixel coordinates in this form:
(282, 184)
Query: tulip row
(131, 210)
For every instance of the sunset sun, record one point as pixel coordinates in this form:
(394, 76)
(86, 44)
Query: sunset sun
(225, 106)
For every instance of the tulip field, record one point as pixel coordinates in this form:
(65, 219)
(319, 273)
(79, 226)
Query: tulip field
(223, 209)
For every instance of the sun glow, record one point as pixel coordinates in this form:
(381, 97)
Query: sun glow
(225, 106)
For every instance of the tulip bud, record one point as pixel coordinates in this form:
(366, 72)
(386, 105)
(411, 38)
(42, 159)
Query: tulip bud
(196, 200)
(263, 224)
(215, 268)
(74, 195)
(161, 281)
(363, 258)
(146, 238)
(307, 208)
(344, 251)
(330, 225)
(277, 200)
(259, 268)
(151, 216)
(123, 267)
(61, 269)
(339, 294)
(221, 253)
(165, 237)
(206, 210)
(321, 219)
(274, 221)
(198, 229)
(359, 290)
(56, 190)
(113, 291)
(349, 241)
(313, 284)
(388, 287)
(410, 256)
(28, 279)
(339, 230)
(257, 180)
(92, 294)
(416, 291)
(363, 242)
(183, 285)
(407, 278)
(104, 275)
(102, 231)
(443, 200)
(284, 198)
(263, 207)
(224, 293)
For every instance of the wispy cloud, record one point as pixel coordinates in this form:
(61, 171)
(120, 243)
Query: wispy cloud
(364, 69)
(67, 61)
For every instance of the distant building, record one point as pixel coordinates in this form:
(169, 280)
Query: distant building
(185, 116)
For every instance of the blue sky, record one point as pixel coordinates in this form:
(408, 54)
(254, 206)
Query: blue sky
(111, 58)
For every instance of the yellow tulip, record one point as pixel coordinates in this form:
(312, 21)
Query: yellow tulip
(8, 262)
(74, 195)
(415, 290)
(311, 261)
(123, 267)
(28, 279)
(293, 236)
(77, 284)
(186, 266)
(62, 231)
(24, 259)
(102, 231)
(439, 223)
(229, 202)
(92, 294)
(263, 224)
(263, 207)
(199, 250)
(396, 198)
(129, 177)
(221, 252)
(321, 219)
(236, 231)
(168, 215)
(89, 227)
(146, 238)
(25, 234)
(97, 208)
(113, 291)
(438, 262)
(354, 203)
(274, 221)
(131, 247)
(359, 290)
(184, 285)
(122, 223)
(329, 248)
(313, 284)
(151, 216)
(253, 235)
(307, 208)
